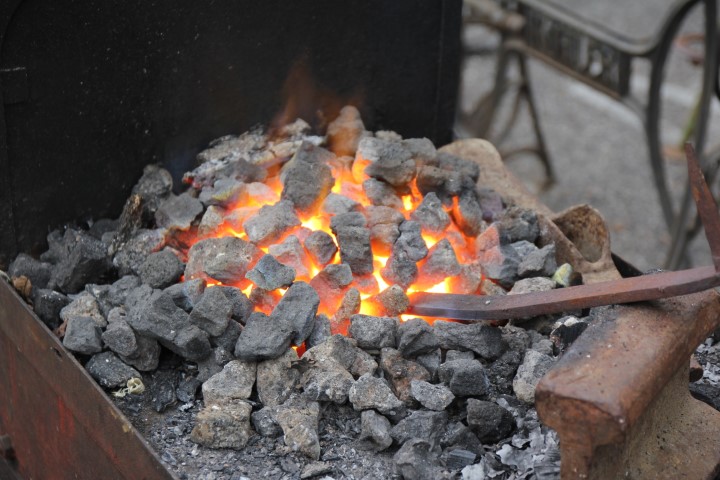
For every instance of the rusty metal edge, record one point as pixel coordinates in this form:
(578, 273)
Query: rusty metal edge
(73, 430)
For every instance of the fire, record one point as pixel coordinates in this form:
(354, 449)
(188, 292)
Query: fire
(349, 175)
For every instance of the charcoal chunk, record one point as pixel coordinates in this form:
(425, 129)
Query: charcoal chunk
(422, 150)
(534, 366)
(225, 259)
(83, 305)
(484, 340)
(369, 392)
(186, 390)
(400, 372)
(86, 262)
(161, 269)
(133, 253)
(307, 178)
(336, 204)
(432, 397)
(431, 361)
(83, 335)
(263, 338)
(320, 247)
(269, 274)
(271, 223)
(178, 212)
(224, 192)
(430, 214)
(468, 279)
(321, 331)
(375, 431)
(211, 221)
(417, 459)
(297, 309)
(445, 183)
(234, 382)
(327, 382)
(539, 263)
(344, 220)
(464, 377)
(349, 306)
(391, 302)
(468, 168)
(264, 422)
(47, 305)
(416, 337)
(520, 224)
(186, 294)
(392, 163)
(491, 204)
(381, 194)
(373, 332)
(190, 343)
(355, 249)
(345, 131)
(410, 241)
(228, 338)
(400, 270)
(212, 312)
(147, 356)
(109, 371)
(489, 421)
(38, 272)
(111, 296)
(468, 215)
(500, 264)
(291, 253)
(276, 379)
(424, 424)
(120, 338)
(440, 264)
(330, 285)
(154, 186)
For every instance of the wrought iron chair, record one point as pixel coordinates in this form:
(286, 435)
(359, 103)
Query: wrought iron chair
(601, 58)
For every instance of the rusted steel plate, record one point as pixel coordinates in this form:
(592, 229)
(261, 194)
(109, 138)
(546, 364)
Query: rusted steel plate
(612, 381)
(627, 290)
(61, 424)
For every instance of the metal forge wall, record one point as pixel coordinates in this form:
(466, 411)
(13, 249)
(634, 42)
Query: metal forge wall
(91, 91)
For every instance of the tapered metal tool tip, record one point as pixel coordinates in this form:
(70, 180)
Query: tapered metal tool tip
(705, 203)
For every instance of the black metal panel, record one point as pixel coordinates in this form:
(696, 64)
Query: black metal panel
(113, 85)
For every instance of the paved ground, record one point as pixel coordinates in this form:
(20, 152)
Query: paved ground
(597, 146)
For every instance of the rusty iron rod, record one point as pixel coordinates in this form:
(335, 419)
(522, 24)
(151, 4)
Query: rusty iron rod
(626, 290)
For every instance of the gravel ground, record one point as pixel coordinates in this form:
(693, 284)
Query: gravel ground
(596, 145)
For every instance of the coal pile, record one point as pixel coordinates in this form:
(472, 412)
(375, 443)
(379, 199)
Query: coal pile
(253, 326)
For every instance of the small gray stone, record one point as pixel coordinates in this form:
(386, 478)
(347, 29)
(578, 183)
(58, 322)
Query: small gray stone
(186, 390)
(489, 420)
(299, 422)
(529, 285)
(468, 279)
(371, 392)
(459, 458)
(224, 425)
(320, 247)
(391, 302)
(225, 192)
(263, 338)
(349, 306)
(355, 249)
(464, 377)
(344, 220)
(410, 241)
(291, 253)
(468, 215)
(482, 339)
(431, 361)
(211, 221)
(316, 469)
(234, 382)
(327, 383)
(147, 356)
(430, 214)
(190, 343)
(400, 270)
(38, 272)
(335, 204)
(153, 187)
(86, 262)
(178, 212)
(400, 372)
(321, 331)
(440, 263)
(450, 162)
(500, 264)
(432, 397)
(133, 253)
(417, 460)
(344, 133)
(83, 305)
(115, 295)
(212, 312)
(452, 355)
(373, 332)
(423, 424)
(225, 259)
(338, 349)
(269, 274)
(381, 194)
(390, 161)
(520, 224)
(120, 338)
(109, 371)
(491, 203)
(83, 335)
(47, 305)
(375, 431)
(242, 307)
(459, 436)
(264, 422)
(422, 150)
(276, 379)
(534, 366)
(186, 294)
(297, 309)
(416, 337)
(161, 269)
(228, 338)
(307, 179)
(271, 223)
